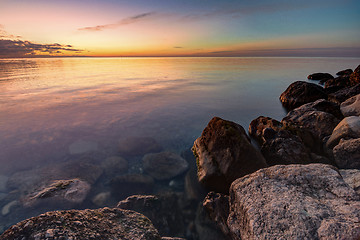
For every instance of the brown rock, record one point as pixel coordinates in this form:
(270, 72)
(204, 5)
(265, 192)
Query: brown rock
(320, 76)
(348, 128)
(341, 95)
(345, 72)
(299, 93)
(224, 153)
(258, 125)
(355, 77)
(351, 107)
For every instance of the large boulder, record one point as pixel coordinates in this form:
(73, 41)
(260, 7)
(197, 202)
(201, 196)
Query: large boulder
(224, 153)
(344, 94)
(339, 82)
(347, 153)
(348, 128)
(299, 93)
(104, 223)
(164, 165)
(163, 211)
(351, 107)
(294, 202)
(258, 125)
(319, 118)
(355, 77)
(320, 76)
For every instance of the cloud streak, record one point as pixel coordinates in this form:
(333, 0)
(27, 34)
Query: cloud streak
(125, 21)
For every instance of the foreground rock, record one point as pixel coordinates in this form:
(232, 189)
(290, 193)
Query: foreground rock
(163, 211)
(347, 153)
(104, 223)
(223, 154)
(294, 202)
(299, 93)
(348, 128)
(352, 178)
(164, 165)
(351, 107)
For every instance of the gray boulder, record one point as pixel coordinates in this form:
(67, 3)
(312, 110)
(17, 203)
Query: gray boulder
(348, 128)
(351, 107)
(104, 223)
(164, 165)
(294, 202)
(299, 93)
(224, 153)
(347, 153)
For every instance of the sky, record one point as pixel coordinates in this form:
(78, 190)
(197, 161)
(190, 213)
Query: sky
(113, 28)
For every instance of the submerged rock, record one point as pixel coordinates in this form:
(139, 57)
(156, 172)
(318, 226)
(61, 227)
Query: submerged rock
(81, 146)
(104, 223)
(224, 153)
(351, 107)
(348, 128)
(114, 165)
(164, 165)
(299, 93)
(59, 193)
(163, 211)
(347, 153)
(131, 184)
(294, 202)
(138, 146)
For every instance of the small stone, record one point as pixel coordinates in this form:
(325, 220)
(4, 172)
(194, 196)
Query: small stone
(49, 233)
(101, 199)
(7, 208)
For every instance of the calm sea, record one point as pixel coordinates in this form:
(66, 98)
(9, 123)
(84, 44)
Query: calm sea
(48, 105)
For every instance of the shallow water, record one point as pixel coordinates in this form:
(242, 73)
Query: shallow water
(48, 105)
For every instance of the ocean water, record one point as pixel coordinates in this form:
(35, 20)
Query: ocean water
(49, 105)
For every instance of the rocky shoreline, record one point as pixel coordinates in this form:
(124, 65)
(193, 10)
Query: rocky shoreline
(303, 182)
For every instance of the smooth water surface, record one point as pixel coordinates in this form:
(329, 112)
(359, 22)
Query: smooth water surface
(46, 105)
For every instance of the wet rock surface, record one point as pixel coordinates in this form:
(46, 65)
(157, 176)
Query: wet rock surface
(347, 153)
(351, 107)
(164, 165)
(224, 153)
(294, 202)
(105, 223)
(299, 93)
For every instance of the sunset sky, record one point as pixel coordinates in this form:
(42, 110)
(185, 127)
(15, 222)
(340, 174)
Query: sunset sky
(179, 28)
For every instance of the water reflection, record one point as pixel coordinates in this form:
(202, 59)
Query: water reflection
(73, 113)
